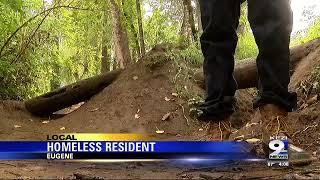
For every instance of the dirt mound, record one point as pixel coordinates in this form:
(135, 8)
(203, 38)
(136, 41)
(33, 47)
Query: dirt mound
(305, 122)
(136, 102)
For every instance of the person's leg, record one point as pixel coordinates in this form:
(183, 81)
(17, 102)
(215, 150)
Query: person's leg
(271, 23)
(220, 19)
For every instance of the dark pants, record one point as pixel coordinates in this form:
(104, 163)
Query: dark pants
(271, 24)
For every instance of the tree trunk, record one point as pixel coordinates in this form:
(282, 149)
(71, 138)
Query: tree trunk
(105, 50)
(136, 39)
(183, 30)
(69, 95)
(188, 28)
(105, 61)
(141, 33)
(130, 25)
(120, 37)
(198, 15)
(55, 78)
(115, 65)
(191, 19)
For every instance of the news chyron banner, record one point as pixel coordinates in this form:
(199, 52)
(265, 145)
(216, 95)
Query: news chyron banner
(108, 147)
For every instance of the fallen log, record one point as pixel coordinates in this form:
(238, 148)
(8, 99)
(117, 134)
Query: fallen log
(246, 71)
(61, 98)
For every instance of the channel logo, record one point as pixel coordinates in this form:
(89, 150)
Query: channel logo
(278, 151)
(278, 148)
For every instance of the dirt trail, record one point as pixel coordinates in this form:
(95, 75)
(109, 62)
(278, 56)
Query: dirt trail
(137, 102)
(75, 170)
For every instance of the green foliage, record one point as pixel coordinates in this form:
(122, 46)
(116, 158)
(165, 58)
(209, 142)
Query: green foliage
(246, 46)
(192, 56)
(312, 32)
(65, 48)
(160, 29)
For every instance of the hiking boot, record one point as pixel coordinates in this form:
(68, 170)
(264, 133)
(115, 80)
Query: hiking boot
(252, 130)
(270, 120)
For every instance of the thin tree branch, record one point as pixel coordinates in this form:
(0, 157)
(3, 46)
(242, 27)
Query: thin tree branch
(32, 18)
(30, 38)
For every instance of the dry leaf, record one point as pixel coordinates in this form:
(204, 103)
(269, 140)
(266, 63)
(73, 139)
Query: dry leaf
(159, 131)
(239, 138)
(45, 122)
(174, 94)
(17, 126)
(166, 116)
(314, 153)
(305, 105)
(167, 99)
(313, 99)
(96, 109)
(316, 85)
(62, 128)
(136, 116)
(253, 140)
(135, 78)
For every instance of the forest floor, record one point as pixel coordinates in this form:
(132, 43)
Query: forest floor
(155, 95)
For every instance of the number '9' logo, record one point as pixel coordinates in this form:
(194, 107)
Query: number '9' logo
(277, 146)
